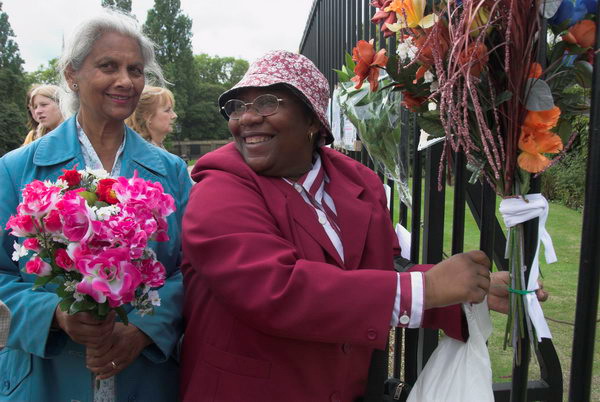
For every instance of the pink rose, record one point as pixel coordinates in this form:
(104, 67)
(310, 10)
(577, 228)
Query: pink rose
(151, 194)
(38, 267)
(38, 199)
(76, 217)
(153, 272)
(109, 275)
(62, 259)
(52, 221)
(21, 225)
(32, 244)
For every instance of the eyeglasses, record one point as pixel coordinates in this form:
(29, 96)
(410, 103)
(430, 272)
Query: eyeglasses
(263, 105)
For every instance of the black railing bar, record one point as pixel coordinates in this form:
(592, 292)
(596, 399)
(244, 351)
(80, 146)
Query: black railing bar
(586, 309)
(458, 214)
(488, 217)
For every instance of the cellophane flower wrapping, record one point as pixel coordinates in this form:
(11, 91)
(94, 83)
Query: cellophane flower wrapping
(88, 235)
(376, 116)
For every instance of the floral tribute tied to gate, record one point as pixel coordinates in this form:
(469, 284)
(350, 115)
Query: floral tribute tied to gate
(88, 235)
(499, 81)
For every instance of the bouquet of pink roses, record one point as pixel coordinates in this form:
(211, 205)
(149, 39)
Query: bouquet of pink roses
(89, 234)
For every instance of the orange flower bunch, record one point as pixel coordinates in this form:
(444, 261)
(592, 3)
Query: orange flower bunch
(536, 139)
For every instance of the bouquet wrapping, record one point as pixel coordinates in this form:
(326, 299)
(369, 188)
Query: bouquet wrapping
(377, 118)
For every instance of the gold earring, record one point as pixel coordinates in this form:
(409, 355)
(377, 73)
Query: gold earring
(310, 136)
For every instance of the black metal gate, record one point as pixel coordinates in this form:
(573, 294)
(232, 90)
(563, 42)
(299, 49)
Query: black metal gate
(333, 28)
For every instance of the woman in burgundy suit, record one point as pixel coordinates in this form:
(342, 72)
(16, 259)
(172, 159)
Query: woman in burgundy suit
(288, 272)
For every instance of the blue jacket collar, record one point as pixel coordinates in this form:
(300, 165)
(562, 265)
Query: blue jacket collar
(62, 145)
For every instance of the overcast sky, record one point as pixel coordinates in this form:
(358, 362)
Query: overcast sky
(239, 28)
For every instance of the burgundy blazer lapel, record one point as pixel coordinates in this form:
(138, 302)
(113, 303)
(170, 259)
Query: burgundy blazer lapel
(353, 214)
(304, 216)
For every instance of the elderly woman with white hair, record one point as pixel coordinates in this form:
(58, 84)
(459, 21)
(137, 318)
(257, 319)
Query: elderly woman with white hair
(53, 356)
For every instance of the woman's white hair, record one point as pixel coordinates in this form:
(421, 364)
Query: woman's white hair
(82, 40)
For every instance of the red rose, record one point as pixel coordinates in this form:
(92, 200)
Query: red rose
(105, 191)
(72, 177)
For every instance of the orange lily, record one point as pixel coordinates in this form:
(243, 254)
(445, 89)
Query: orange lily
(536, 140)
(410, 14)
(368, 64)
(582, 34)
(542, 120)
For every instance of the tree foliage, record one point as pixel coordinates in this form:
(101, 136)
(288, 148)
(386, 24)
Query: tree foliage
(223, 70)
(124, 5)
(171, 30)
(45, 74)
(12, 89)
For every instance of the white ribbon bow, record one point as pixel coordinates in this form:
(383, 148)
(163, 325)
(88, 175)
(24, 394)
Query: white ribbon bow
(519, 210)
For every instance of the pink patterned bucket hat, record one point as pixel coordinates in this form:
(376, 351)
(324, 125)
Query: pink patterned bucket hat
(295, 71)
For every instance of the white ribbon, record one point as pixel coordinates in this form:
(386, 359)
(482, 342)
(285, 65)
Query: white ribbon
(523, 209)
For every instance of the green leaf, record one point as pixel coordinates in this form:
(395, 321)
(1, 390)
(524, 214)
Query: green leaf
(565, 129)
(42, 281)
(539, 95)
(342, 76)
(90, 197)
(103, 309)
(431, 124)
(81, 305)
(558, 52)
(583, 73)
(349, 62)
(392, 67)
(503, 97)
(101, 204)
(61, 292)
(122, 315)
(65, 304)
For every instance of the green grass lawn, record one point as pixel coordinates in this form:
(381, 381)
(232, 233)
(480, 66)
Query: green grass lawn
(560, 279)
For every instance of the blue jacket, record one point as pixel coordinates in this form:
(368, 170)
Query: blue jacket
(42, 364)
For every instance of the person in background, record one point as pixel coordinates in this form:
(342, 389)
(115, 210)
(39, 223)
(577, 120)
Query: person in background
(43, 109)
(289, 255)
(4, 323)
(53, 356)
(31, 121)
(154, 116)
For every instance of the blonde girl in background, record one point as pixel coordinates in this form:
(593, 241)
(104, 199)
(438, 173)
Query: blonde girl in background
(44, 113)
(154, 116)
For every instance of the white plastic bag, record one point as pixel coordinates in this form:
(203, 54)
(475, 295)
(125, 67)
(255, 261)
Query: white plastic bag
(458, 371)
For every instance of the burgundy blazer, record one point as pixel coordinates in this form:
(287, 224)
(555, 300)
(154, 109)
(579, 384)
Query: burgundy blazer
(271, 311)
